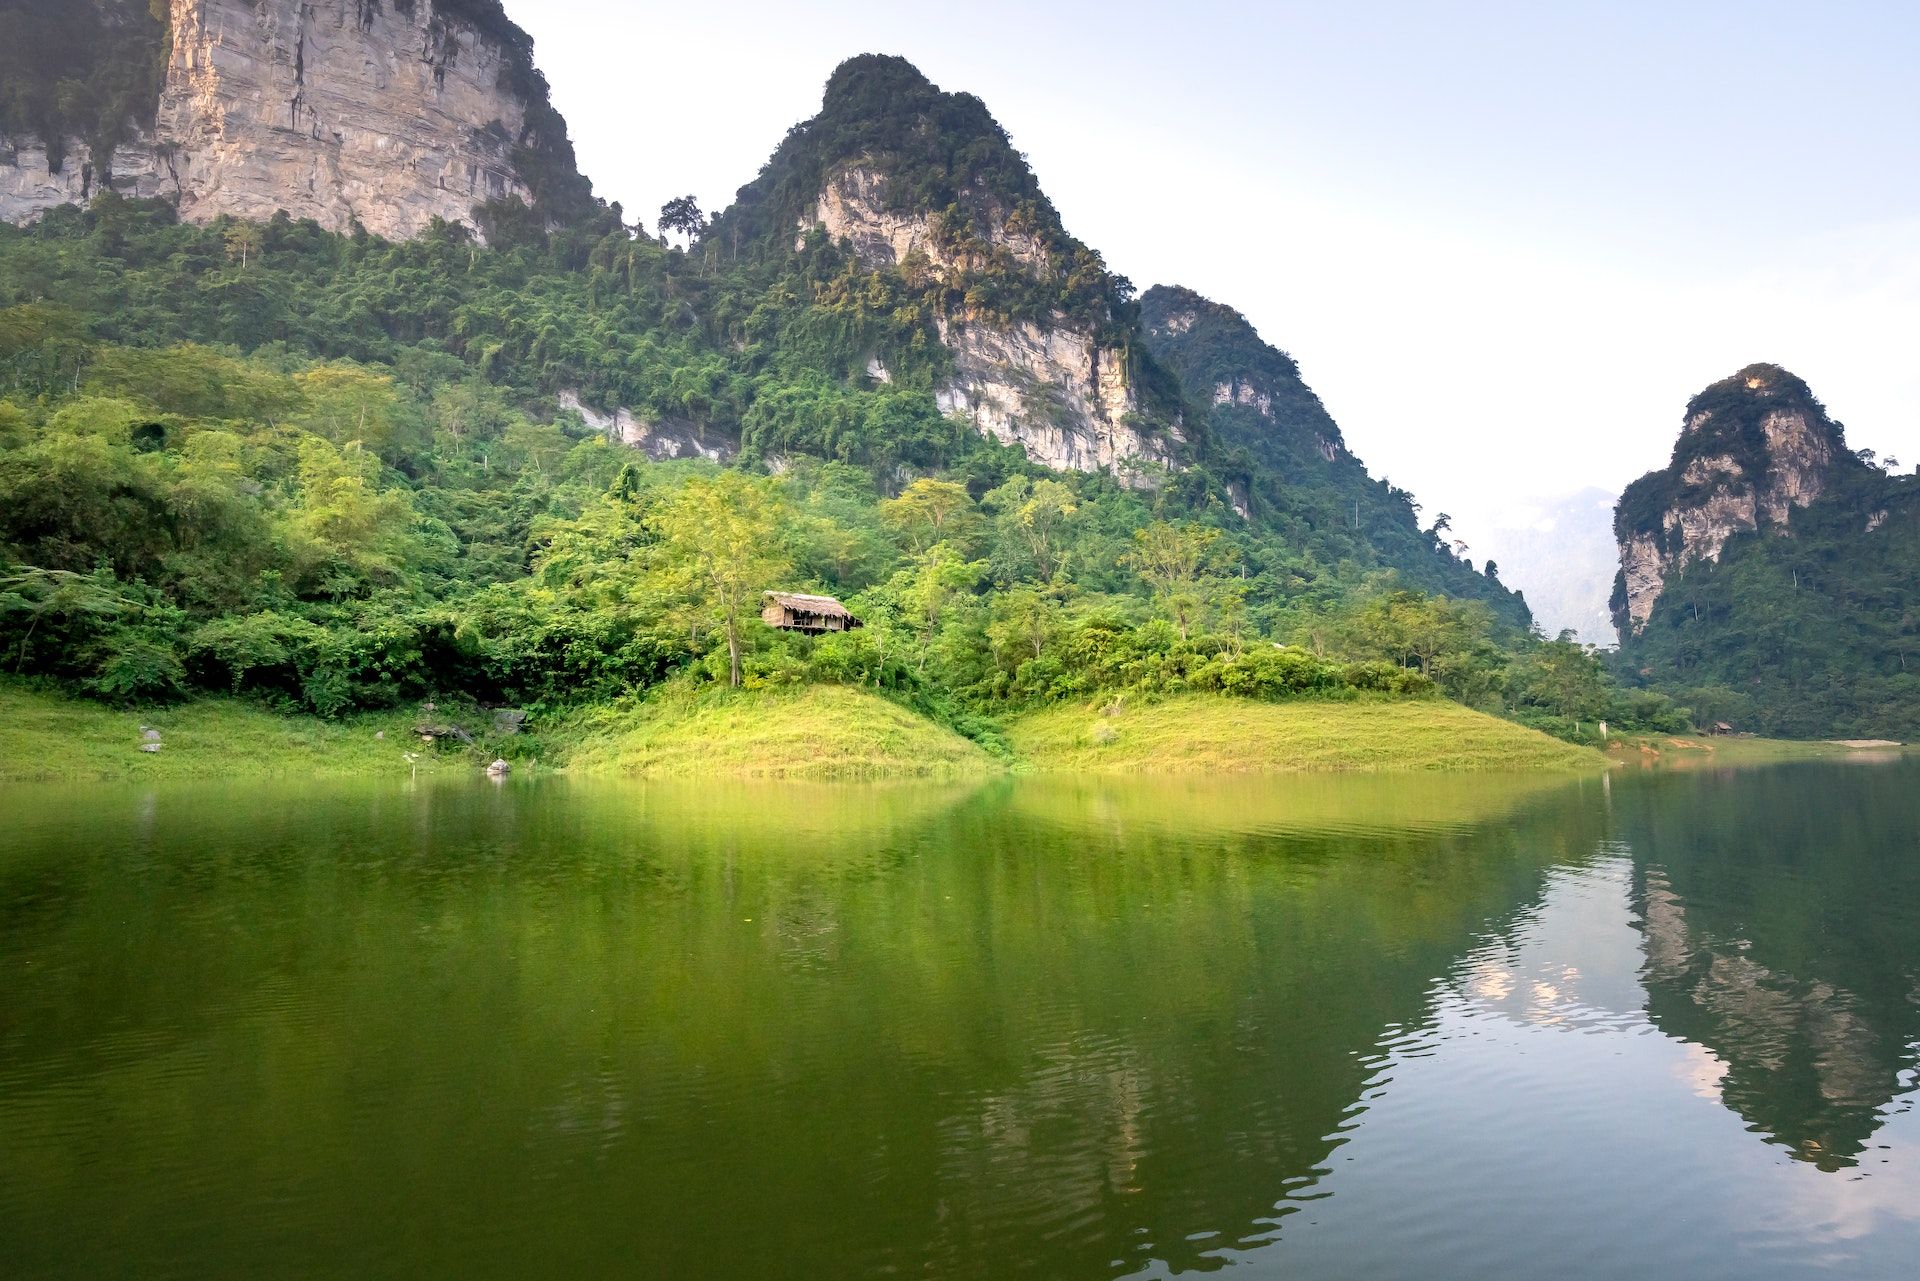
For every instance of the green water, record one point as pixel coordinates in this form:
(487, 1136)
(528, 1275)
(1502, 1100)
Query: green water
(1654, 1026)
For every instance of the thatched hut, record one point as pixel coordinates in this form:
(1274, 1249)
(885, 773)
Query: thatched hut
(793, 612)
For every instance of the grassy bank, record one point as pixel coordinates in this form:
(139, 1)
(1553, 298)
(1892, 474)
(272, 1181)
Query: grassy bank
(815, 732)
(1201, 733)
(46, 737)
(1666, 751)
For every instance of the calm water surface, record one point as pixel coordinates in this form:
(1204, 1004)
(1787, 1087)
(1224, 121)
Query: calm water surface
(1650, 1026)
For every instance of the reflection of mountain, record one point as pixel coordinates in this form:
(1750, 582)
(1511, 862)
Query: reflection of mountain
(1062, 1043)
(1782, 938)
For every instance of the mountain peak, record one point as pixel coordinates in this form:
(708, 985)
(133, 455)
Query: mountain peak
(921, 151)
(1754, 448)
(867, 79)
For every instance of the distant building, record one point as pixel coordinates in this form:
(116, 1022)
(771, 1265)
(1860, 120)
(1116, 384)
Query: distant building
(792, 612)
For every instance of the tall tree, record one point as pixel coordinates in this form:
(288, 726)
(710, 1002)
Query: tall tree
(1035, 513)
(926, 511)
(682, 214)
(244, 240)
(1174, 560)
(722, 537)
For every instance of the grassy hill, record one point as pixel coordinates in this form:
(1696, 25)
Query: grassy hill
(1208, 734)
(816, 732)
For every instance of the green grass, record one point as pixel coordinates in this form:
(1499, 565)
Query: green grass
(1206, 733)
(1676, 751)
(47, 737)
(815, 732)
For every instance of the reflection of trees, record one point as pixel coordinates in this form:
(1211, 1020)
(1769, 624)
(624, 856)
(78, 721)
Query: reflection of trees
(1779, 914)
(848, 1031)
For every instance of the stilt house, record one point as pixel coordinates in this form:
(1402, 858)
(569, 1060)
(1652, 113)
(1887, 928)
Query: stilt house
(792, 612)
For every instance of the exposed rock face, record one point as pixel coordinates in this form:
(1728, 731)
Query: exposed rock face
(1050, 389)
(853, 206)
(1055, 393)
(1754, 448)
(29, 186)
(378, 111)
(659, 440)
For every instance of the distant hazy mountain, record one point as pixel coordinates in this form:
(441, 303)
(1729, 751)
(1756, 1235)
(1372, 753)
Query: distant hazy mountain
(1561, 553)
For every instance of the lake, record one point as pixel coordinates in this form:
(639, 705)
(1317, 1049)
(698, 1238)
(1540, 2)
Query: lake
(1651, 1025)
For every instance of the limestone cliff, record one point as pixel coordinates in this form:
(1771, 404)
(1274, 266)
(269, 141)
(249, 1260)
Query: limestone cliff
(924, 187)
(659, 438)
(1754, 449)
(385, 113)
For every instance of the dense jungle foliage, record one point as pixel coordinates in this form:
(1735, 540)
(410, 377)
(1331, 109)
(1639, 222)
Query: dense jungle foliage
(329, 471)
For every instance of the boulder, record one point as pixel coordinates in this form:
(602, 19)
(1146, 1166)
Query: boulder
(499, 769)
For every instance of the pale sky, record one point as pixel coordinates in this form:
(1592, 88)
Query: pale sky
(1506, 241)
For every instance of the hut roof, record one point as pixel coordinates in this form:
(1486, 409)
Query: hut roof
(825, 606)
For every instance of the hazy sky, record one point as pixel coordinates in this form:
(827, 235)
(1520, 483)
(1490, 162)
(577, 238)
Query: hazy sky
(1506, 241)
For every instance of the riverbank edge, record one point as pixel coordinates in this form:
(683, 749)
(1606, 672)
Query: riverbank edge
(815, 732)
(1209, 734)
(1684, 751)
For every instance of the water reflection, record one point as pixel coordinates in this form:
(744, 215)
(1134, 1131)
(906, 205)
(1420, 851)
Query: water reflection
(1312, 1027)
(1780, 928)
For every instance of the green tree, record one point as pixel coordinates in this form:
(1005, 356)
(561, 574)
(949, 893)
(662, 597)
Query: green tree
(927, 511)
(1174, 560)
(721, 537)
(682, 214)
(244, 241)
(1035, 514)
(937, 576)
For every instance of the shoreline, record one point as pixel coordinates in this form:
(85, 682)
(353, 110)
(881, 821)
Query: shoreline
(1697, 751)
(836, 733)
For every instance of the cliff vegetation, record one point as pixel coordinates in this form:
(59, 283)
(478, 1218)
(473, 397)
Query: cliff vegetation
(334, 474)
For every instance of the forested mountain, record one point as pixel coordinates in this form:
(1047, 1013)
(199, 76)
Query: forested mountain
(536, 454)
(1769, 572)
(1283, 457)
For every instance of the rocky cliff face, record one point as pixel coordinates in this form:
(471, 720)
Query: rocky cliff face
(1049, 387)
(389, 113)
(1755, 448)
(1057, 394)
(1040, 342)
(658, 438)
